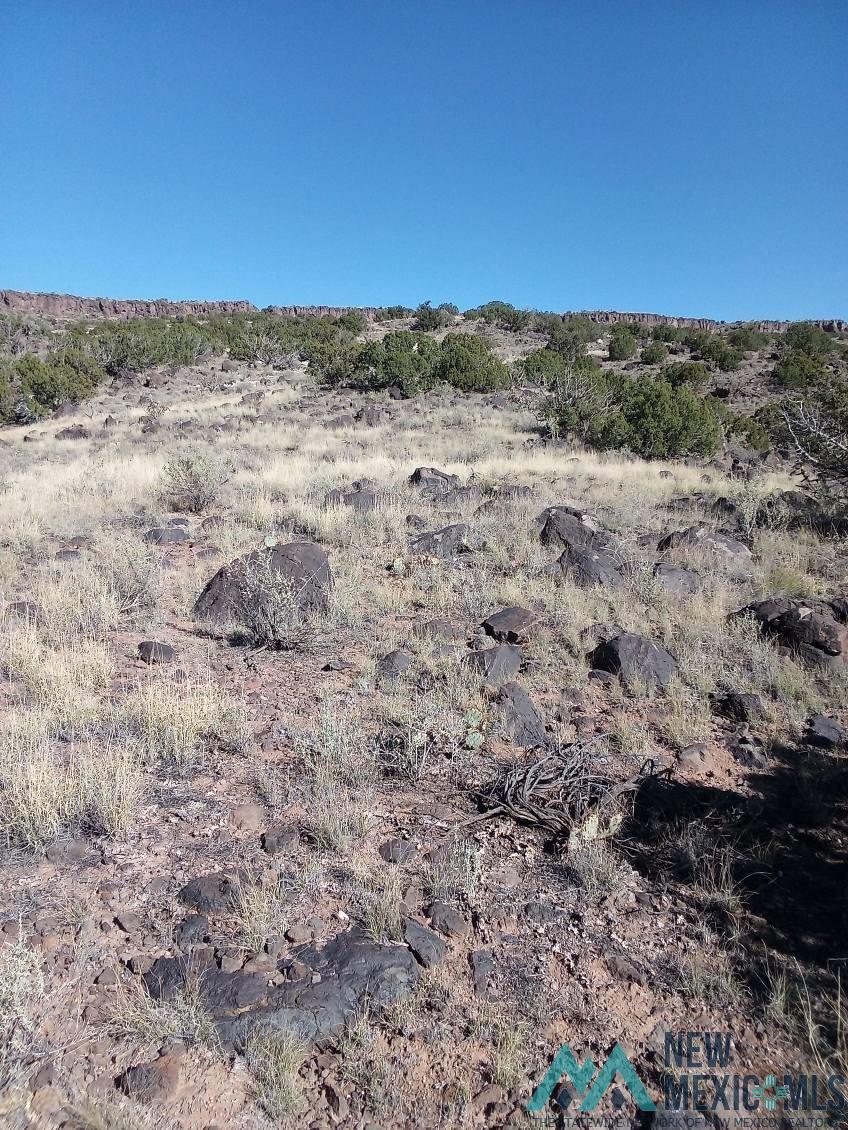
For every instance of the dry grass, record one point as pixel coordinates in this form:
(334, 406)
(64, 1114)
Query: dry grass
(21, 982)
(148, 1022)
(274, 1060)
(177, 721)
(98, 786)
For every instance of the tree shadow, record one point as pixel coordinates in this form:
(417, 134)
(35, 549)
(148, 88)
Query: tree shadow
(784, 847)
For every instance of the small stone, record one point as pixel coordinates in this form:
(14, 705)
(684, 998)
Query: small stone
(482, 968)
(426, 944)
(336, 1101)
(192, 930)
(693, 754)
(448, 921)
(148, 1081)
(248, 817)
(510, 625)
(281, 838)
(152, 651)
(491, 1094)
(396, 850)
(299, 935)
(823, 732)
(128, 920)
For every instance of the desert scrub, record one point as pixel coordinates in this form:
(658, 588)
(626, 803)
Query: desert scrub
(21, 988)
(274, 1060)
(148, 1022)
(261, 909)
(380, 896)
(454, 870)
(271, 614)
(176, 722)
(46, 791)
(63, 681)
(192, 480)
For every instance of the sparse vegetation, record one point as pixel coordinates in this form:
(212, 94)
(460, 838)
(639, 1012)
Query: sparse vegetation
(265, 807)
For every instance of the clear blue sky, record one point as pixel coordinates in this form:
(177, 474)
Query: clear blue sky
(673, 156)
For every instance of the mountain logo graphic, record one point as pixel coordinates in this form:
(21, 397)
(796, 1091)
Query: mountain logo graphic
(580, 1075)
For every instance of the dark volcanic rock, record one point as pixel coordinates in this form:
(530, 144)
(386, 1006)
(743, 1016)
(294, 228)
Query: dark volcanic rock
(510, 625)
(447, 542)
(351, 969)
(301, 565)
(741, 707)
(166, 535)
(677, 579)
(433, 480)
(636, 660)
(586, 567)
(498, 665)
(393, 665)
(209, 894)
(522, 722)
(810, 629)
(426, 944)
(823, 732)
(152, 651)
(720, 549)
(565, 527)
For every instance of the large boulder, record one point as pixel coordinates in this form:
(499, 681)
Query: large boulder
(813, 630)
(588, 567)
(431, 479)
(332, 984)
(497, 665)
(719, 549)
(637, 660)
(447, 542)
(522, 722)
(301, 565)
(566, 527)
(510, 625)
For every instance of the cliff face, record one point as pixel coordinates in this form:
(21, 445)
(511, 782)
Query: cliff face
(610, 317)
(69, 307)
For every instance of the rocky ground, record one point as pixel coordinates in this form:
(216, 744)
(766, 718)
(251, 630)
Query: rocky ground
(535, 745)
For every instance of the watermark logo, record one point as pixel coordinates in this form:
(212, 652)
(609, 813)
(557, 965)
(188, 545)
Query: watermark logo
(697, 1077)
(580, 1075)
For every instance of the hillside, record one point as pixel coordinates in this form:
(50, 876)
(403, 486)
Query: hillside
(382, 709)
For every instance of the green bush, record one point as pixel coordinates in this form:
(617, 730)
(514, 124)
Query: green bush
(667, 334)
(413, 361)
(648, 416)
(747, 339)
(691, 373)
(191, 481)
(798, 370)
(391, 313)
(654, 353)
(354, 321)
(502, 314)
(814, 424)
(714, 349)
(30, 386)
(429, 317)
(622, 345)
(748, 429)
(466, 363)
(658, 421)
(805, 337)
(545, 366)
